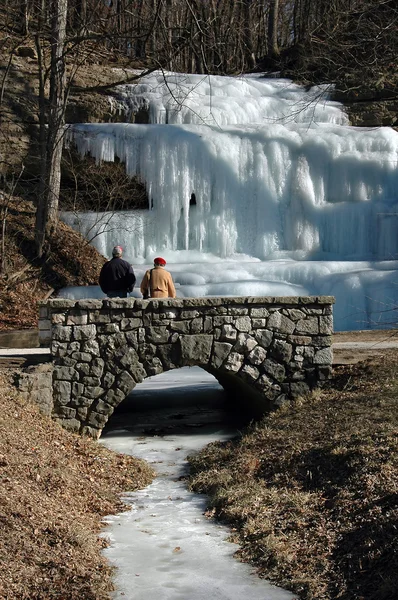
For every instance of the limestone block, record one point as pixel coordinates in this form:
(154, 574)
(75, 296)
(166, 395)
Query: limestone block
(65, 373)
(81, 413)
(61, 392)
(258, 323)
(323, 357)
(77, 389)
(99, 317)
(300, 340)
(233, 362)
(220, 353)
(250, 373)
(97, 420)
(127, 357)
(91, 381)
(259, 313)
(281, 351)
(243, 324)
(81, 401)
(97, 367)
(294, 314)
(309, 325)
(58, 318)
(68, 362)
(245, 343)
(108, 328)
(197, 325)
(82, 356)
(207, 324)
(180, 326)
(107, 380)
(322, 341)
(228, 333)
(65, 412)
(125, 382)
(132, 338)
(153, 367)
(264, 337)
(129, 324)
(170, 355)
(90, 304)
(114, 397)
(78, 318)
(219, 321)
(91, 347)
(257, 356)
(237, 311)
(269, 388)
(157, 335)
(103, 407)
(280, 322)
(84, 332)
(61, 333)
(189, 314)
(83, 368)
(169, 313)
(93, 391)
(326, 324)
(195, 349)
(274, 369)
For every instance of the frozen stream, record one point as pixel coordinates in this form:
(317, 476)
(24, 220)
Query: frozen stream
(165, 548)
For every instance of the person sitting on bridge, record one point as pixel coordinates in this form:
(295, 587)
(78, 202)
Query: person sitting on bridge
(117, 277)
(157, 282)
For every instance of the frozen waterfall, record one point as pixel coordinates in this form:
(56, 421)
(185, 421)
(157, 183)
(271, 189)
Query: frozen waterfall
(256, 187)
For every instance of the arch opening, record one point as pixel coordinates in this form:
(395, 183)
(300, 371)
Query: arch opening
(181, 400)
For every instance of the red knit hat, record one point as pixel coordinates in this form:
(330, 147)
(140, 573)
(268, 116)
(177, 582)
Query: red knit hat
(159, 261)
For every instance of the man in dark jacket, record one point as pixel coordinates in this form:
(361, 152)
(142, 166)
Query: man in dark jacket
(117, 277)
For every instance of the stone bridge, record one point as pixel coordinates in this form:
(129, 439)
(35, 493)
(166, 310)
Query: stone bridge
(263, 351)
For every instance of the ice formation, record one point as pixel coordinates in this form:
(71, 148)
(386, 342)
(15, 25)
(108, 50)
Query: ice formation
(255, 186)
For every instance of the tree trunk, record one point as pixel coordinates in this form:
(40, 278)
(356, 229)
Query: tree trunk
(51, 150)
(273, 48)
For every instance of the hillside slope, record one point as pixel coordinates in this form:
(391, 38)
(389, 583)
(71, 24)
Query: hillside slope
(55, 488)
(26, 279)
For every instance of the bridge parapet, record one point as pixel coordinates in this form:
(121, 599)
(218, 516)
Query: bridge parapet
(267, 349)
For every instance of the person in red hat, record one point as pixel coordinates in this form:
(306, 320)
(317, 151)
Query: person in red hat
(157, 282)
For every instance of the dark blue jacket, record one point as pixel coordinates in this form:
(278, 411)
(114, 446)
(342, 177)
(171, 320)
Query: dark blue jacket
(117, 275)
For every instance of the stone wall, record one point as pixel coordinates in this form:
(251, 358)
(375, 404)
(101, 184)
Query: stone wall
(266, 350)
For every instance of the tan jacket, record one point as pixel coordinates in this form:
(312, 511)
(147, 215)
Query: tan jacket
(162, 285)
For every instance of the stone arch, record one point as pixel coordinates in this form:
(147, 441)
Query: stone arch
(269, 349)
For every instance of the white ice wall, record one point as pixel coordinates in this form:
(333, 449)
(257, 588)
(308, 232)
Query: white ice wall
(259, 190)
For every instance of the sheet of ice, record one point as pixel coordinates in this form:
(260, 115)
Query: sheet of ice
(165, 548)
(181, 98)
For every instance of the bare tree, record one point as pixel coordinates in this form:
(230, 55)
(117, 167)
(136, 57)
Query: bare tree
(51, 132)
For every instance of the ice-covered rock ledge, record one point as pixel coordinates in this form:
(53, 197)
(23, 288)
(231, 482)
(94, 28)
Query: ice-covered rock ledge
(263, 351)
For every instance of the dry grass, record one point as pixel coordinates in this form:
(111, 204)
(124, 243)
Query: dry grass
(55, 488)
(312, 492)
